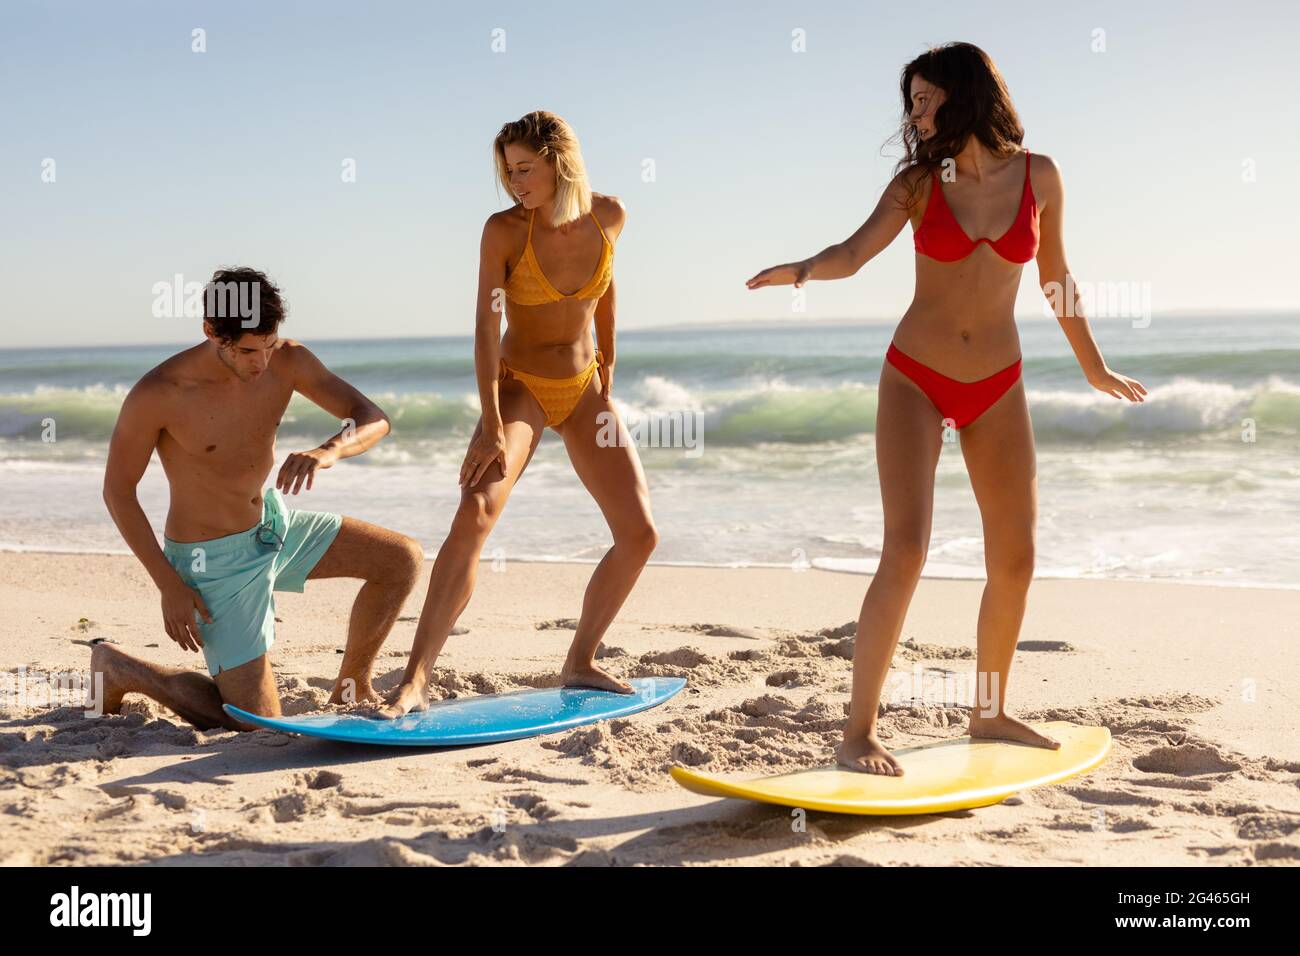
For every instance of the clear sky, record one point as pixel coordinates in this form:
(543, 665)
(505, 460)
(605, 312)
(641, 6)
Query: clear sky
(168, 161)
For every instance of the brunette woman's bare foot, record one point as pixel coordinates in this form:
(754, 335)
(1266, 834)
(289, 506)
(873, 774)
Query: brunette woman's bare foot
(1006, 727)
(867, 755)
(593, 676)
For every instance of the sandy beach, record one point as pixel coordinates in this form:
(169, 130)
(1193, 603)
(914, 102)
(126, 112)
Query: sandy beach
(1196, 684)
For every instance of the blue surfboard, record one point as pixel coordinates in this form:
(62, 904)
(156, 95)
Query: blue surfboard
(485, 719)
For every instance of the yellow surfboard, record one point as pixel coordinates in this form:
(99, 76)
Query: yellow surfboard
(954, 774)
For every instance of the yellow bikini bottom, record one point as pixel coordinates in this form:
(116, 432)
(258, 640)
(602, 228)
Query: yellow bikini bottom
(557, 396)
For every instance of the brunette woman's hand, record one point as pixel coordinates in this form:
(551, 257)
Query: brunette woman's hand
(1117, 385)
(791, 273)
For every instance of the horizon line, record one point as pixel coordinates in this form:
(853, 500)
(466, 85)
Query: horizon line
(666, 327)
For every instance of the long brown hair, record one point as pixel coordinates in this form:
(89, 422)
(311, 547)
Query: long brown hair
(976, 103)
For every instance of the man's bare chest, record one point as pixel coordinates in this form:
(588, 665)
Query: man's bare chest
(216, 426)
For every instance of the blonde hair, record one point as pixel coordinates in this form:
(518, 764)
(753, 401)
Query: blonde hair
(553, 139)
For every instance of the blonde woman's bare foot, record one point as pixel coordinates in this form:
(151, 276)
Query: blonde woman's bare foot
(348, 692)
(1006, 727)
(867, 756)
(593, 676)
(406, 698)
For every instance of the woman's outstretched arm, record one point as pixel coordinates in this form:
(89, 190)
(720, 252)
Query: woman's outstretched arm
(845, 258)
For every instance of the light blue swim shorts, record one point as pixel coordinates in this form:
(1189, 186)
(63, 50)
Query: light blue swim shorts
(236, 575)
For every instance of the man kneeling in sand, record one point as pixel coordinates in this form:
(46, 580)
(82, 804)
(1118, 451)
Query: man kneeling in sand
(211, 413)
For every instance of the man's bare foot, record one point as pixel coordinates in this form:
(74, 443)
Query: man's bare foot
(106, 691)
(406, 698)
(593, 676)
(1006, 727)
(867, 756)
(349, 691)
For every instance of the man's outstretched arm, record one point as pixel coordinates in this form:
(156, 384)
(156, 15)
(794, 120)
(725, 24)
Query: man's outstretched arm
(363, 422)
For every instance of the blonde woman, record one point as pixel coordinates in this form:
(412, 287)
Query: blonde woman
(550, 257)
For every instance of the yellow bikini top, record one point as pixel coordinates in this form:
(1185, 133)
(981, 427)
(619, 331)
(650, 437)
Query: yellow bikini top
(527, 283)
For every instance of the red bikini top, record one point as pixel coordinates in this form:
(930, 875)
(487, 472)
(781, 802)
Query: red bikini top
(941, 237)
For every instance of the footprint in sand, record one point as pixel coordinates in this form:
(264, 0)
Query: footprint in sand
(1175, 783)
(848, 629)
(282, 809)
(520, 775)
(786, 679)
(1266, 825)
(681, 657)
(914, 650)
(558, 624)
(815, 646)
(322, 779)
(358, 809)
(1267, 852)
(1045, 646)
(1110, 798)
(725, 630)
(1187, 760)
(533, 804)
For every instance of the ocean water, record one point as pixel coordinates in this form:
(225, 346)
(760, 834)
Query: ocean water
(1201, 483)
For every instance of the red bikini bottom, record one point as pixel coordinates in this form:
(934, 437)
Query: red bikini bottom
(963, 402)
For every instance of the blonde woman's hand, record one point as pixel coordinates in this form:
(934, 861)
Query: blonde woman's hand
(791, 273)
(487, 448)
(606, 373)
